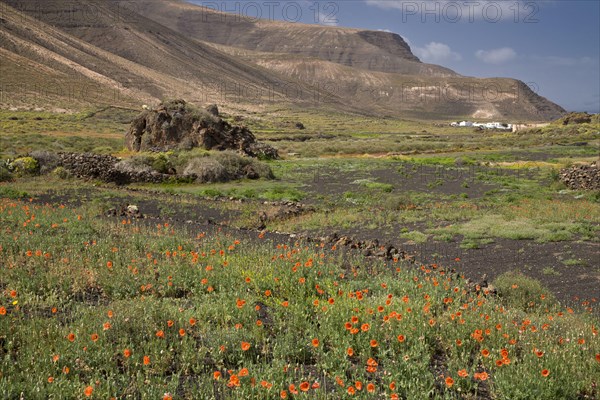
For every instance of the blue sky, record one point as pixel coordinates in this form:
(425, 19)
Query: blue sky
(552, 45)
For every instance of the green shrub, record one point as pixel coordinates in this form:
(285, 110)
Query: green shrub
(25, 166)
(225, 166)
(161, 164)
(61, 173)
(522, 292)
(47, 161)
(5, 175)
(206, 170)
(11, 193)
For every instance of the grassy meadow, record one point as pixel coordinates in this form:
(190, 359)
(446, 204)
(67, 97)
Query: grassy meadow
(165, 311)
(171, 307)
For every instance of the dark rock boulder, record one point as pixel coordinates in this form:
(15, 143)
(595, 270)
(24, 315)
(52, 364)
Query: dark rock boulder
(178, 125)
(105, 168)
(575, 118)
(213, 110)
(582, 177)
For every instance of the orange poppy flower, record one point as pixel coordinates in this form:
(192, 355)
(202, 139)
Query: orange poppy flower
(217, 375)
(234, 380)
(598, 357)
(449, 382)
(373, 343)
(160, 334)
(463, 373)
(146, 360)
(192, 321)
(482, 376)
(2, 310)
(304, 386)
(170, 323)
(285, 303)
(370, 388)
(358, 385)
(66, 370)
(485, 352)
(71, 337)
(106, 326)
(167, 396)
(545, 373)
(243, 372)
(315, 342)
(50, 379)
(401, 338)
(350, 352)
(365, 327)
(94, 337)
(283, 394)
(351, 390)
(88, 391)
(127, 353)
(245, 346)
(181, 332)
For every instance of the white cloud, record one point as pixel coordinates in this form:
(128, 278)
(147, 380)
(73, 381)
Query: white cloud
(463, 11)
(496, 56)
(435, 52)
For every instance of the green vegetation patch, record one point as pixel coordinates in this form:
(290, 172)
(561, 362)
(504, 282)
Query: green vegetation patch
(160, 311)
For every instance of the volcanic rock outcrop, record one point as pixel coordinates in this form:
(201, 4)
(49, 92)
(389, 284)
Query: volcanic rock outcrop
(178, 125)
(105, 168)
(578, 177)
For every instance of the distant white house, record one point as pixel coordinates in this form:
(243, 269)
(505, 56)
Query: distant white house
(484, 125)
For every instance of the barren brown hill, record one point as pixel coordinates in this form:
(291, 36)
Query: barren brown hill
(145, 50)
(376, 69)
(370, 50)
(123, 56)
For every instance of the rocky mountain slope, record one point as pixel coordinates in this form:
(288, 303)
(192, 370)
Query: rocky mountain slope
(59, 53)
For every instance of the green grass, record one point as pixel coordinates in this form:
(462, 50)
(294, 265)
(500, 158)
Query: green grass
(497, 226)
(415, 236)
(244, 189)
(100, 130)
(149, 310)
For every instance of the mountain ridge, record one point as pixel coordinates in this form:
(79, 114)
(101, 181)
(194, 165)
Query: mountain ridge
(160, 50)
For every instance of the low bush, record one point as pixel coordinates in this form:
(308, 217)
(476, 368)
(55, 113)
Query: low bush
(207, 170)
(225, 166)
(25, 166)
(5, 175)
(521, 292)
(47, 161)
